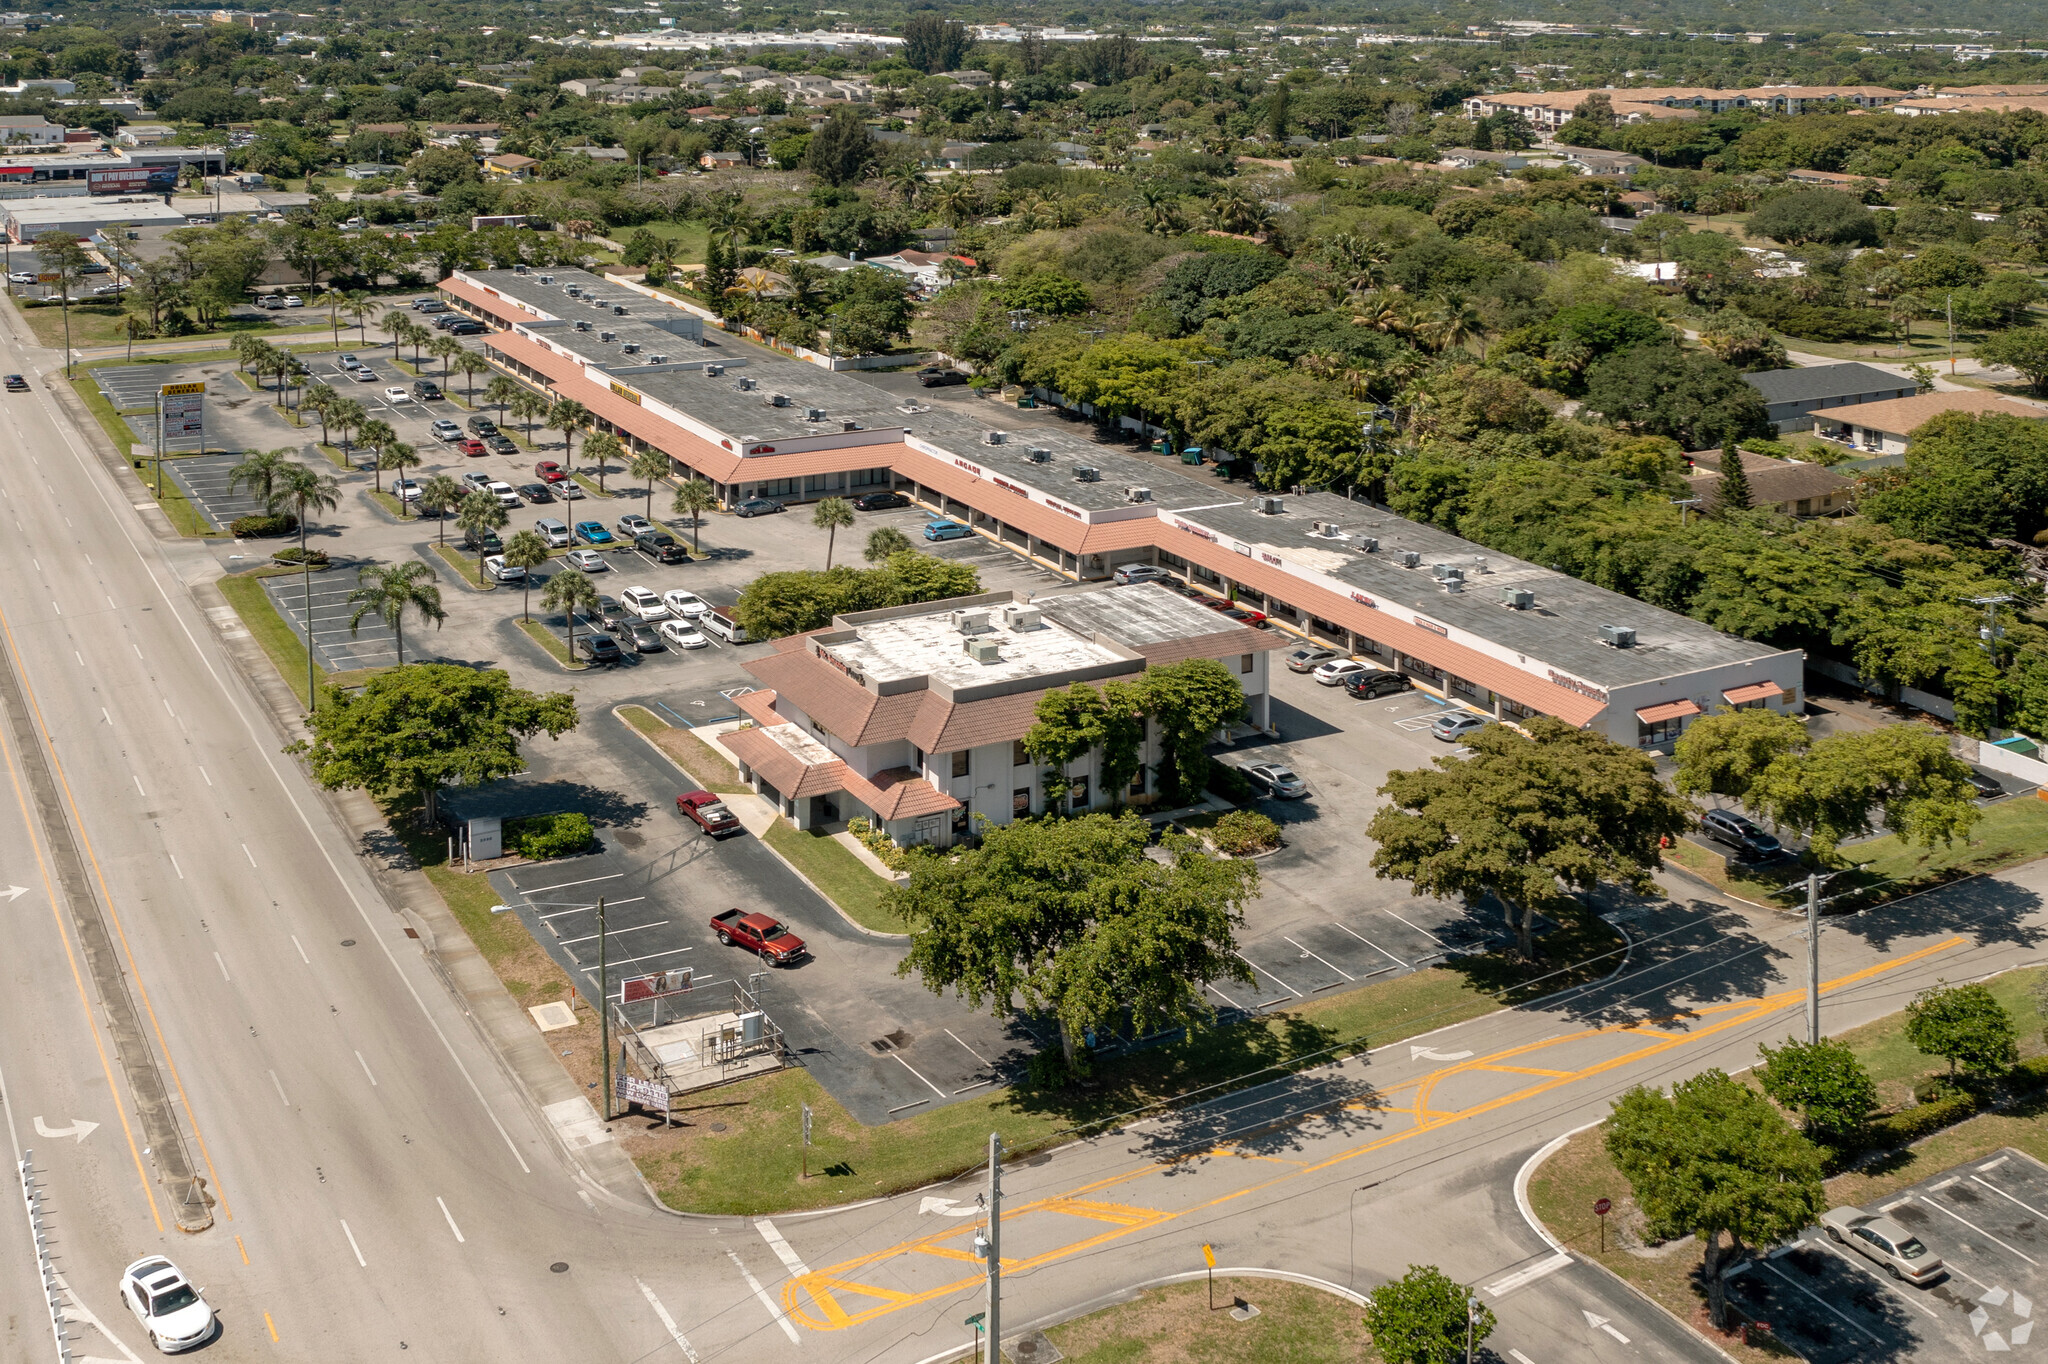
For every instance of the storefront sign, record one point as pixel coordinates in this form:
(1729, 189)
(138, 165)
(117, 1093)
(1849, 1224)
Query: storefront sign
(1242, 548)
(1010, 487)
(1272, 559)
(1063, 507)
(1433, 627)
(1570, 683)
(1209, 535)
(628, 394)
(974, 469)
(1366, 601)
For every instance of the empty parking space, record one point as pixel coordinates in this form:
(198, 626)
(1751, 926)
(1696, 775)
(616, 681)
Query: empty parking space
(370, 644)
(134, 388)
(204, 479)
(1988, 1223)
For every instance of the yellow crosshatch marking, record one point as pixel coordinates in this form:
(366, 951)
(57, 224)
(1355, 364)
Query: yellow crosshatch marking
(811, 1300)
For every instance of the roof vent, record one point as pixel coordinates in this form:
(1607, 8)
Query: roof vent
(778, 400)
(1410, 559)
(1367, 544)
(1517, 598)
(970, 621)
(631, 348)
(1085, 474)
(814, 414)
(582, 326)
(1038, 454)
(572, 290)
(1455, 585)
(1618, 636)
(1269, 506)
(746, 384)
(607, 337)
(1137, 494)
(983, 650)
(658, 359)
(993, 437)
(849, 426)
(713, 371)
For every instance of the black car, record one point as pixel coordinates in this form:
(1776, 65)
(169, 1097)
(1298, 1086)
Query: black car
(1369, 686)
(880, 501)
(661, 545)
(426, 390)
(487, 541)
(502, 445)
(483, 428)
(92, 268)
(1750, 842)
(1985, 785)
(644, 639)
(465, 328)
(940, 378)
(16, 384)
(759, 506)
(598, 648)
(611, 615)
(535, 492)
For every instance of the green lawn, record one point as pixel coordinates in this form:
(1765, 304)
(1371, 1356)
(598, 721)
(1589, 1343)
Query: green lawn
(833, 869)
(1296, 1324)
(245, 593)
(698, 760)
(693, 236)
(464, 562)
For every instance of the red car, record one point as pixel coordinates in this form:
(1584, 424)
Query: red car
(548, 471)
(1236, 611)
(711, 813)
(473, 447)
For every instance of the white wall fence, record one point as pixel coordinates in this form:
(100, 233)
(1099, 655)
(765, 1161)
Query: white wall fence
(1906, 696)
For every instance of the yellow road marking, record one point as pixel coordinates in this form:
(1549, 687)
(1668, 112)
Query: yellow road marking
(273, 1327)
(244, 1249)
(800, 1293)
(1521, 1070)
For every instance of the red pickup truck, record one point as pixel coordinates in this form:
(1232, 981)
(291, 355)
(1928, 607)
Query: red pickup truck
(711, 814)
(762, 934)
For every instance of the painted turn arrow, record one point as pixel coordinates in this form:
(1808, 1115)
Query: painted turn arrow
(946, 1207)
(1600, 1324)
(79, 1129)
(1416, 1053)
(15, 893)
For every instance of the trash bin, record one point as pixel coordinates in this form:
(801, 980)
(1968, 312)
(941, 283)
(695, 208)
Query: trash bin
(1191, 455)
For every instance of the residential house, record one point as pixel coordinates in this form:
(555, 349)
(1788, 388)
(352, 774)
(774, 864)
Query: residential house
(1792, 397)
(1794, 487)
(1587, 161)
(977, 79)
(370, 170)
(722, 160)
(1886, 427)
(509, 166)
(30, 130)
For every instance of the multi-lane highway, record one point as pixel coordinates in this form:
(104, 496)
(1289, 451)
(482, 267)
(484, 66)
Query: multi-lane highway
(204, 983)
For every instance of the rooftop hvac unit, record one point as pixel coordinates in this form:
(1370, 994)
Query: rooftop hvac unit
(970, 621)
(607, 337)
(572, 290)
(1446, 570)
(618, 310)
(1085, 474)
(992, 437)
(1517, 598)
(1618, 636)
(582, 326)
(1269, 506)
(658, 359)
(778, 400)
(1454, 585)
(547, 279)
(983, 650)
(849, 426)
(1136, 494)
(746, 384)
(1366, 544)
(814, 414)
(519, 269)
(713, 371)
(631, 348)
(1018, 616)
(1410, 559)
(1038, 454)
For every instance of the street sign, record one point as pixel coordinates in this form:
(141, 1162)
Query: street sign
(178, 390)
(1603, 1206)
(807, 1124)
(48, 278)
(977, 1321)
(631, 1089)
(184, 414)
(1209, 1254)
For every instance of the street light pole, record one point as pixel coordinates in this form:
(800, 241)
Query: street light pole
(1471, 1314)
(995, 1247)
(1812, 960)
(604, 1017)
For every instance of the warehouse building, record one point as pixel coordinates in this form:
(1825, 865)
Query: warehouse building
(1477, 628)
(24, 220)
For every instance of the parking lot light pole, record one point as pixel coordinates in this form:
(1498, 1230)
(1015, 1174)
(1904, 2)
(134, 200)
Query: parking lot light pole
(1812, 958)
(604, 1017)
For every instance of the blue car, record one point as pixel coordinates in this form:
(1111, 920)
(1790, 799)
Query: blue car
(944, 530)
(593, 533)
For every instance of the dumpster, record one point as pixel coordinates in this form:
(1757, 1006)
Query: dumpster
(1191, 455)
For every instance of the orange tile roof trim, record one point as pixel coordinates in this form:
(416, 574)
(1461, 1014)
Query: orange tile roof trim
(788, 774)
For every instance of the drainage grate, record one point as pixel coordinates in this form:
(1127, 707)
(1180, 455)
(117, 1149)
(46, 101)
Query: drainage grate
(895, 1041)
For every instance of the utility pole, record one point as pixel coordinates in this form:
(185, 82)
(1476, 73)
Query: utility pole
(991, 1246)
(1950, 309)
(1685, 505)
(1988, 634)
(1471, 1315)
(1812, 958)
(604, 1015)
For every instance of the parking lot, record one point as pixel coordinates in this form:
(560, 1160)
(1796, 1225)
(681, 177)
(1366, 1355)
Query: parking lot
(1986, 1222)
(204, 481)
(134, 390)
(369, 645)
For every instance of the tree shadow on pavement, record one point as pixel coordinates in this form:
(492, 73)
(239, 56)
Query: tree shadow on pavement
(1987, 909)
(515, 797)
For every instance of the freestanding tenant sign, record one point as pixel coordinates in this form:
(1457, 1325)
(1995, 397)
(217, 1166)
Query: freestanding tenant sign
(181, 414)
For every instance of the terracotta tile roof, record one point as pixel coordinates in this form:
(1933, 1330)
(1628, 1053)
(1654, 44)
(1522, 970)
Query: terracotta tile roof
(788, 774)
(759, 706)
(1755, 691)
(1901, 415)
(942, 727)
(1668, 710)
(898, 793)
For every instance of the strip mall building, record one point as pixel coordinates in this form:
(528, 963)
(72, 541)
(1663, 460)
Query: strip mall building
(1493, 633)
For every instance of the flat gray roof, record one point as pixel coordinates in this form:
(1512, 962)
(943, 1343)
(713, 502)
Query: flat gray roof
(1562, 629)
(1823, 381)
(1135, 616)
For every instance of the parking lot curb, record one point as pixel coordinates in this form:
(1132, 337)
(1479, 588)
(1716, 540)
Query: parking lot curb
(431, 552)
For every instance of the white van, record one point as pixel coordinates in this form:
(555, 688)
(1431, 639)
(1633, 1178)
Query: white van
(724, 626)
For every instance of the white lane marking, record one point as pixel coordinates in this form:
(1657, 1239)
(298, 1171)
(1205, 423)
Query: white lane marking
(668, 1322)
(1825, 1304)
(1333, 966)
(1376, 947)
(302, 951)
(536, 890)
(964, 1047)
(79, 656)
(167, 708)
(1418, 928)
(353, 1246)
(1980, 1231)
(209, 780)
(1529, 1274)
(104, 716)
(913, 1070)
(1519, 1357)
(110, 602)
(223, 968)
(138, 787)
(280, 1089)
(1264, 972)
(782, 1248)
(366, 1070)
(774, 1312)
(451, 1218)
(2006, 1196)
(174, 865)
(1598, 1323)
(614, 932)
(246, 853)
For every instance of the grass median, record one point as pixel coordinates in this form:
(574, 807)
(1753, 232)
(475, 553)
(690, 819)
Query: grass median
(699, 761)
(245, 593)
(831, 866)
(1176, 1324)
(464, 563)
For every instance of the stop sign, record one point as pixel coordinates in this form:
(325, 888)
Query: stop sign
(1602, 1206)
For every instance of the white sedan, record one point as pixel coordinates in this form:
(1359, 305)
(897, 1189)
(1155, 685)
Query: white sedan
(679, 634)
(685, 605)
(586, 561)
(497, 569)
(1334, 672)
(294, 301)
(170, 1309)
(396, 395)
(643, 603)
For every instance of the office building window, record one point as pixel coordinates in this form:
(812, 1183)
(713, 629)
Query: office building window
(1244, 663)
(1018, 757)
(779, 487)
(960, 757)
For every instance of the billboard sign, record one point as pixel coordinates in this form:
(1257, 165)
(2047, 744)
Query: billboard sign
(132, 180)
(663, 983)
(631, 1089)
(184, 414)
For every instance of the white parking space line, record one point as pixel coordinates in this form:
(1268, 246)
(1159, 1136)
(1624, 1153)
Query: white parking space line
(451, 1218)
(914, 1071)
(964, 1047)
(1375, 947)
(1830, 1308)
(590, 881)
(1854, 1263)
(1979, 1230)
(1519, 1357)
(2006, 1196)
(775, 1313)
(668, 1322)
(614, 932)
(1227, 999)
(782, 1248)
(353, 1246)
(1417, 927)
(1306, 953)
(672, 952)
(1264, 972)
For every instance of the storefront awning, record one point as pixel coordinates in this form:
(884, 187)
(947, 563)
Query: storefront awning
(1755, 691)
(1666, 710)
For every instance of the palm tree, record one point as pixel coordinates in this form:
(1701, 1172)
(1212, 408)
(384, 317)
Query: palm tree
(378, 435)
(246, 346)
(319, 399)
(1451, 323)
(390, 590)
(1235, 210)
(1902, 311)
(885, 542)
(477, 513)
(395, 324)
(417, 334)
(649, 464)
(360, 307)
(571, 592)
(290, 373)
(565, 415)
(259, 471)
(333, 300)
(831, 513)
(304, 490)
(444, 349)
(693, 498)
(470, 364)
(528, 551)
(437, 495)
(603, 447)
(500, 392)
(529, 407)
(398, 457)
(347, 414)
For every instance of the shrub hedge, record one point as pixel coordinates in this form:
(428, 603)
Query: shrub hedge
(544, 836)
(261, 527)
(1244, 832)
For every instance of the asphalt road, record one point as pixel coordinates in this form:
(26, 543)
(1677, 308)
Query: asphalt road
(380, 1185)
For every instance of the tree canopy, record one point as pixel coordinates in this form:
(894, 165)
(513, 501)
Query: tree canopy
(1821, 1081)
(789, 603)
(1420, 1318)
(1966, 1026)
